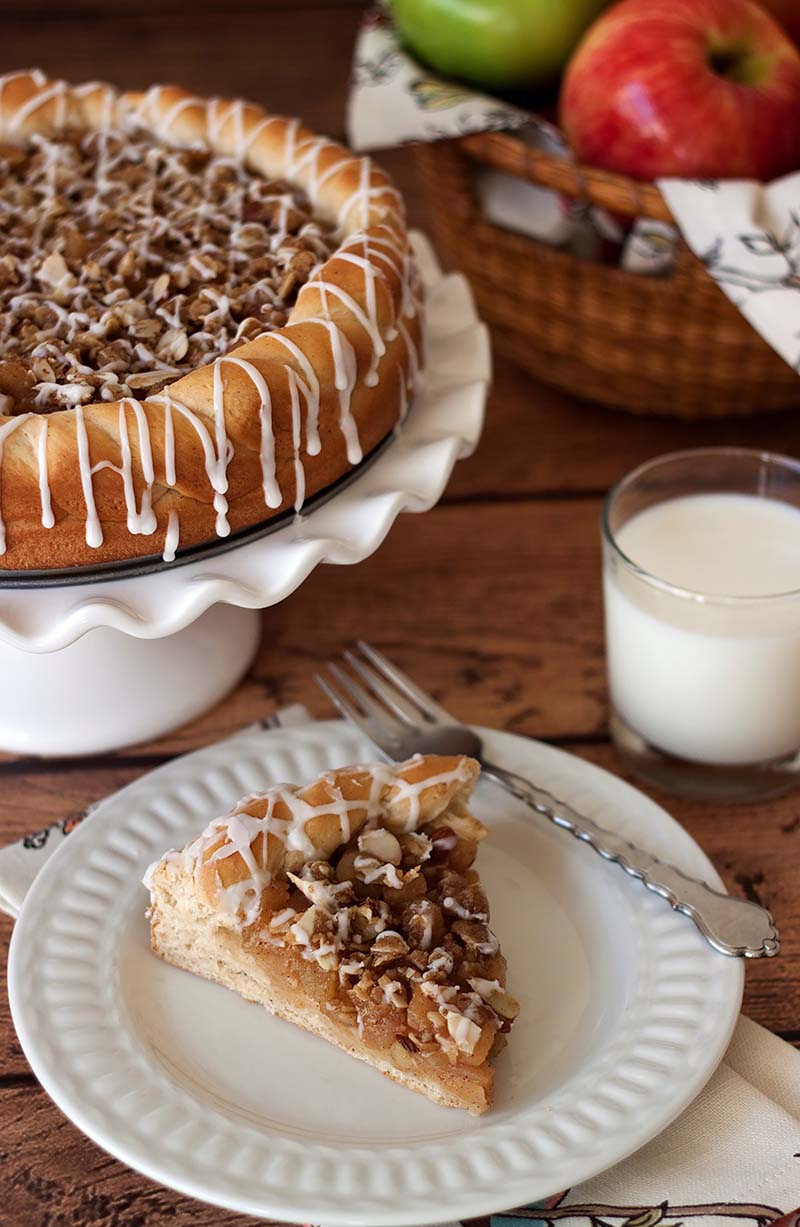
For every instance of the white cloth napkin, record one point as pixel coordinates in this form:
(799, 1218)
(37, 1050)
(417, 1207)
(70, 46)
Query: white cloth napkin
(746, 233)
(733, 1157)
(394, 100)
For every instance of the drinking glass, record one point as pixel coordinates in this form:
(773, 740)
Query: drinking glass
(705, 685)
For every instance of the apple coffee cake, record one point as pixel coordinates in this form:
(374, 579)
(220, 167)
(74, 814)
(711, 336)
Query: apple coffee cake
(207, 315)
(351, 908)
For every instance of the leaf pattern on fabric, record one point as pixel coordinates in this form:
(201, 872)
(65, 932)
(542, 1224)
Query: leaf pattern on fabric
(559, 1209)
(747, 235)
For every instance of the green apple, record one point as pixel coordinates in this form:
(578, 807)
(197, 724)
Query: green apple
(497, 44)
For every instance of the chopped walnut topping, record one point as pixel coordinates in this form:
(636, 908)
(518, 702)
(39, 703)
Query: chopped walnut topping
(441, 962)
(388, 949)
(322, 893)
(476, 936)
(368, 920)
(422, 975)
(424, 923)
(125, 263)
(370, 870)
(415, 847)
(393, 992)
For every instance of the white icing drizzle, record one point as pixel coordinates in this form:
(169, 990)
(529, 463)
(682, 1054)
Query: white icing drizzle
(345, 375)
(371, 870)
(108, 95)
(280, 918)
(94, 533)
(400, 261)
(215, 464)
(237, 112)
(172, 538)
(166, 122)
(213, 121)
(56, 89)
(290, 144)
(369, 326)
(310, 389)
(299, 471)
(371, 273)
(332, 170)
(246, 140)
(36, 75)
(142, 520)
(363, 196)
(272, 491)
(169, 442)
(48, 519)
(224, 453)
(306, 163)
(387, 239)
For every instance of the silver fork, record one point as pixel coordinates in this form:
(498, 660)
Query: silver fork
(401, 720)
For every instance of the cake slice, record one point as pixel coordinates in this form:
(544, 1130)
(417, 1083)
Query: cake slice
(351, 908)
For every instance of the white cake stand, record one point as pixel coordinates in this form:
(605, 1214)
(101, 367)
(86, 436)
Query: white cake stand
(87, 668)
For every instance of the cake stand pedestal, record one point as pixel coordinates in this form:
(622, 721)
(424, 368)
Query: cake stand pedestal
(86, 668)
(109, 689)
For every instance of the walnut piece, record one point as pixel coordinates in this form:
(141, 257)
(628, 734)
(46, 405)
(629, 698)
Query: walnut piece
(382, 845)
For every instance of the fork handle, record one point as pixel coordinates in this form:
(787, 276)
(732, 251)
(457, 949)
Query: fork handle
(732, 926)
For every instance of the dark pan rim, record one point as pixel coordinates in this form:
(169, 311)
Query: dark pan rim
(154, 564)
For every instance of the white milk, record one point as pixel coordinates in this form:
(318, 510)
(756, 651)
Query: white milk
(711, 681)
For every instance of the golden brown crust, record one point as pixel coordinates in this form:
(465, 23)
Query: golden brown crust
(438, 779)
(361, 301)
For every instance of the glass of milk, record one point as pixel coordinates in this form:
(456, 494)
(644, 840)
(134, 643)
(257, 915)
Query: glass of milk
(701, 568)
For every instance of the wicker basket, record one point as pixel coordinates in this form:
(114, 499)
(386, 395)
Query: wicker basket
(672, 345)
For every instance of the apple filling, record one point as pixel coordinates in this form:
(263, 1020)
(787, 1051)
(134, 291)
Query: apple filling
(393, 935)
(124, 264)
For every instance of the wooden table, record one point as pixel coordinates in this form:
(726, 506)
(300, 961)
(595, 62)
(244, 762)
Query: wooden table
(492, 600)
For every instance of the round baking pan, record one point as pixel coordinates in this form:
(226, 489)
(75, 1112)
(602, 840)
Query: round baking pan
(150, 564)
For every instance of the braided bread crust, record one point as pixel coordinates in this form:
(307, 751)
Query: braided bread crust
(267, 836)
(256, 432)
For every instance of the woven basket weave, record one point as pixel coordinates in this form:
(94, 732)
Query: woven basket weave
(670, 345)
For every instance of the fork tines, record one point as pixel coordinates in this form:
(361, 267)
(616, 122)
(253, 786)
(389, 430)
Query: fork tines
(377, 696)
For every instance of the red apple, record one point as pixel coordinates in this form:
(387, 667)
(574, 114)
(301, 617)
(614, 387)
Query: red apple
(787, 12)
(694, 88)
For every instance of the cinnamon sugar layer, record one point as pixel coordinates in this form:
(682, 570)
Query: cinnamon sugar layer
(124, 264)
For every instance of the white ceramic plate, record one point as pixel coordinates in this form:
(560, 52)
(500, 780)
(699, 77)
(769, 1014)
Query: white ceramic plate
(625, 1011)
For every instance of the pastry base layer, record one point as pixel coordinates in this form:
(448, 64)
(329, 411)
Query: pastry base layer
(187, 935)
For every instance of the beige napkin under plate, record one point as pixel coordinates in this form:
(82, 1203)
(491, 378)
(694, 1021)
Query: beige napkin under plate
(733, 1157)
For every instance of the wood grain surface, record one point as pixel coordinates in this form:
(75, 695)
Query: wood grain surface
(492, 600)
